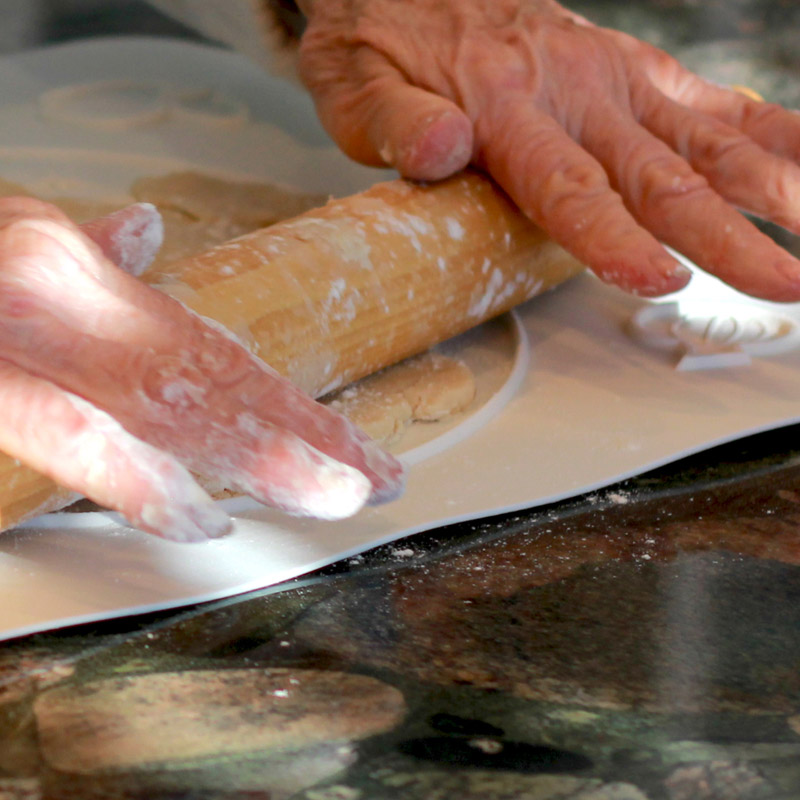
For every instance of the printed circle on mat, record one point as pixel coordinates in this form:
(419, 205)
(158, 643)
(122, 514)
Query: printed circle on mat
(707, 332)
(122, 105)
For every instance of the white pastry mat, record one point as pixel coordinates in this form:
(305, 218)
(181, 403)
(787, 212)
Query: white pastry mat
(592, 405)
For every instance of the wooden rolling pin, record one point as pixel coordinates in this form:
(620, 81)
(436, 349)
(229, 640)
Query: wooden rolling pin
(342, 291)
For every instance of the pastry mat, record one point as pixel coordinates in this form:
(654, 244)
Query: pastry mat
(602, 388)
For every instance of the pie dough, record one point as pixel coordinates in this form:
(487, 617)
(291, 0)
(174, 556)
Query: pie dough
(427, 388)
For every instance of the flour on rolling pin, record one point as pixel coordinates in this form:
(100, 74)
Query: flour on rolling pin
(402, 406)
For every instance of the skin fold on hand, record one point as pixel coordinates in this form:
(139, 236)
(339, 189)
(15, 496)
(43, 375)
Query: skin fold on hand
(119, 392)
(607, 143)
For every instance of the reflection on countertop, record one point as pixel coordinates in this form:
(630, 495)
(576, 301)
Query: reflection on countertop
(642, 643)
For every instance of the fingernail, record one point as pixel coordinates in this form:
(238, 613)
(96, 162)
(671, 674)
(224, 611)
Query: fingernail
(130, 237)
(670, 268)
(341, 491)
(386, 473)
(210, 520)
(390, 488)
(139, 238)
(670, 276)
(443, 146)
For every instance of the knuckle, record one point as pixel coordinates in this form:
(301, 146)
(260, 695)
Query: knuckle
(200, 378)
(170, 381)
(709, 147)
(660, 181)
(756, 114)
(570, 183)
(226, 362)
(16, 304)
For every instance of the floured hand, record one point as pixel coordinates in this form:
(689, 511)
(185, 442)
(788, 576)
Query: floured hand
(604, 141)
(118, 392)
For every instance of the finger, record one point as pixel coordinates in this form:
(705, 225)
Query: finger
(130, 237)
(565, 191)
(773, 127)
(49, 266)
(678, 205)
(167, 376)
(272, 401)
(280, 469)
(378, 118)
(85, 450)
(735, 166)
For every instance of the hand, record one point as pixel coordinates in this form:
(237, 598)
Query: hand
(116, 391)
(605, 142)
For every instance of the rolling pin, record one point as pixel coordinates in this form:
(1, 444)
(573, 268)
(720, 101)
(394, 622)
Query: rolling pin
(342, 291)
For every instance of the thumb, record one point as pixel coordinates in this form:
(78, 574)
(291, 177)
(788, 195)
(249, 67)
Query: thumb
(384, 120)
(423, 136)
(130, 237)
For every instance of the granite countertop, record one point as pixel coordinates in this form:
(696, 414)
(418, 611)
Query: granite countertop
(639, 643)
(642, 643)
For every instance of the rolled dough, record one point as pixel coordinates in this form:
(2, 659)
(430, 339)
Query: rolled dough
(426, 388)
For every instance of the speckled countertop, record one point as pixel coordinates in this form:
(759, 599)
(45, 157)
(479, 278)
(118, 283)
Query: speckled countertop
(643, 643)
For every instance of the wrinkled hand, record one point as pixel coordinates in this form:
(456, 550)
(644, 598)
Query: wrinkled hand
(604, 141)
(117, 391)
